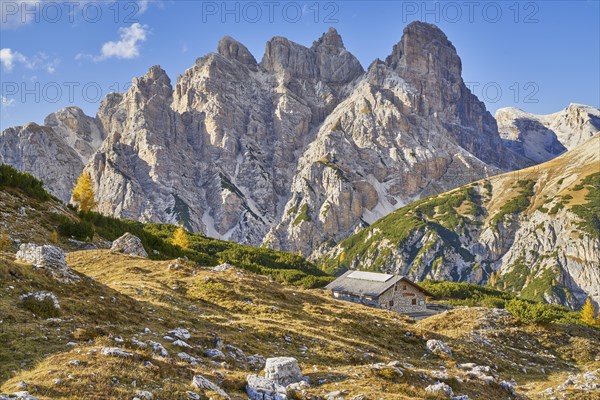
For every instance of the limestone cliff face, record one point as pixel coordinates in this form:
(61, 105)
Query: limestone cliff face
(300, 149)
(430, 64)
(409, 129)
(540, 138)
(55, 152)
(533, 231)
(217, 152)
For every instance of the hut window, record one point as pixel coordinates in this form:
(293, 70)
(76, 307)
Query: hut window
(403, 287)
(414, 302)
(391, 303)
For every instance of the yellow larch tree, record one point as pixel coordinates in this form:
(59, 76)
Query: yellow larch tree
(83, 193)
(180, 238)
(588, 312)
(54, 237)
(5, 242)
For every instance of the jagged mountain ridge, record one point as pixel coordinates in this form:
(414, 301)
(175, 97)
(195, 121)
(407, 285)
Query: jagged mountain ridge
(534, 231)
(409, 129)
(297, 151)
(55, 152)
(543, 137)
(242, 123)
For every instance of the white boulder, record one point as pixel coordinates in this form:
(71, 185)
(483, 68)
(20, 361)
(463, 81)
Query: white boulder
(438, 347)
(129, 244)
(49, 258)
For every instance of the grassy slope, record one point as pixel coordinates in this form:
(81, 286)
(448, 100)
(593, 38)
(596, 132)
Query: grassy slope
(121, 295)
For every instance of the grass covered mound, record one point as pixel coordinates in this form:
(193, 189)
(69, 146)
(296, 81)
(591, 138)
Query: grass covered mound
(468, 294)
(590, 211)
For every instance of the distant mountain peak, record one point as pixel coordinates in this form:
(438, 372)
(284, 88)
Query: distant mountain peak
(331, 39)
(232, 49)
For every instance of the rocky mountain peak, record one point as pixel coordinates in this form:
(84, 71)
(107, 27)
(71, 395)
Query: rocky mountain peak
(425, 50)
(156, 76)
(327, 59)
(330, 39)
(72, 118)
(233, 50)
(285, 56)
(540, 138)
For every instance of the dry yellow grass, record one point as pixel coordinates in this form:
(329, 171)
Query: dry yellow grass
(334, 341)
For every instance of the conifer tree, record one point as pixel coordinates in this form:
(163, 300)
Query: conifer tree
(54, 237)
(83, 193)
(180, 238)
(493, 279)
(5, 241)
(588, 312)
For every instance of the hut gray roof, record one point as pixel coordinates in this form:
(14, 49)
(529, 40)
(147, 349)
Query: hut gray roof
(368, 283)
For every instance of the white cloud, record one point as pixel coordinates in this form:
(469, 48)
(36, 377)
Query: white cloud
(143, 6)
(6, 102)
(9, 58)
(128, 47)
(14, 14)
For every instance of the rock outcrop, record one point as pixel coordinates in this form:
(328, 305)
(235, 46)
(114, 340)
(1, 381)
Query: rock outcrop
(281, 373)
(541, 138)
(42, 297)
(202, 383)
(283, 370)
(49, 258)
(438, 347)
(129, 244)
(55, 152)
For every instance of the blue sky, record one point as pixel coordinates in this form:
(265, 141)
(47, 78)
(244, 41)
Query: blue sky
(536, 55)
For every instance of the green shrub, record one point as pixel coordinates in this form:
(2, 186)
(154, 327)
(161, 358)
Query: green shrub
(33, 187)
(518, 203)
(529, 311)
(463, 291)
(80, 230)
(556, 208)
(304, 215)
(43, 309)
(493, 302)
(590, 212)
